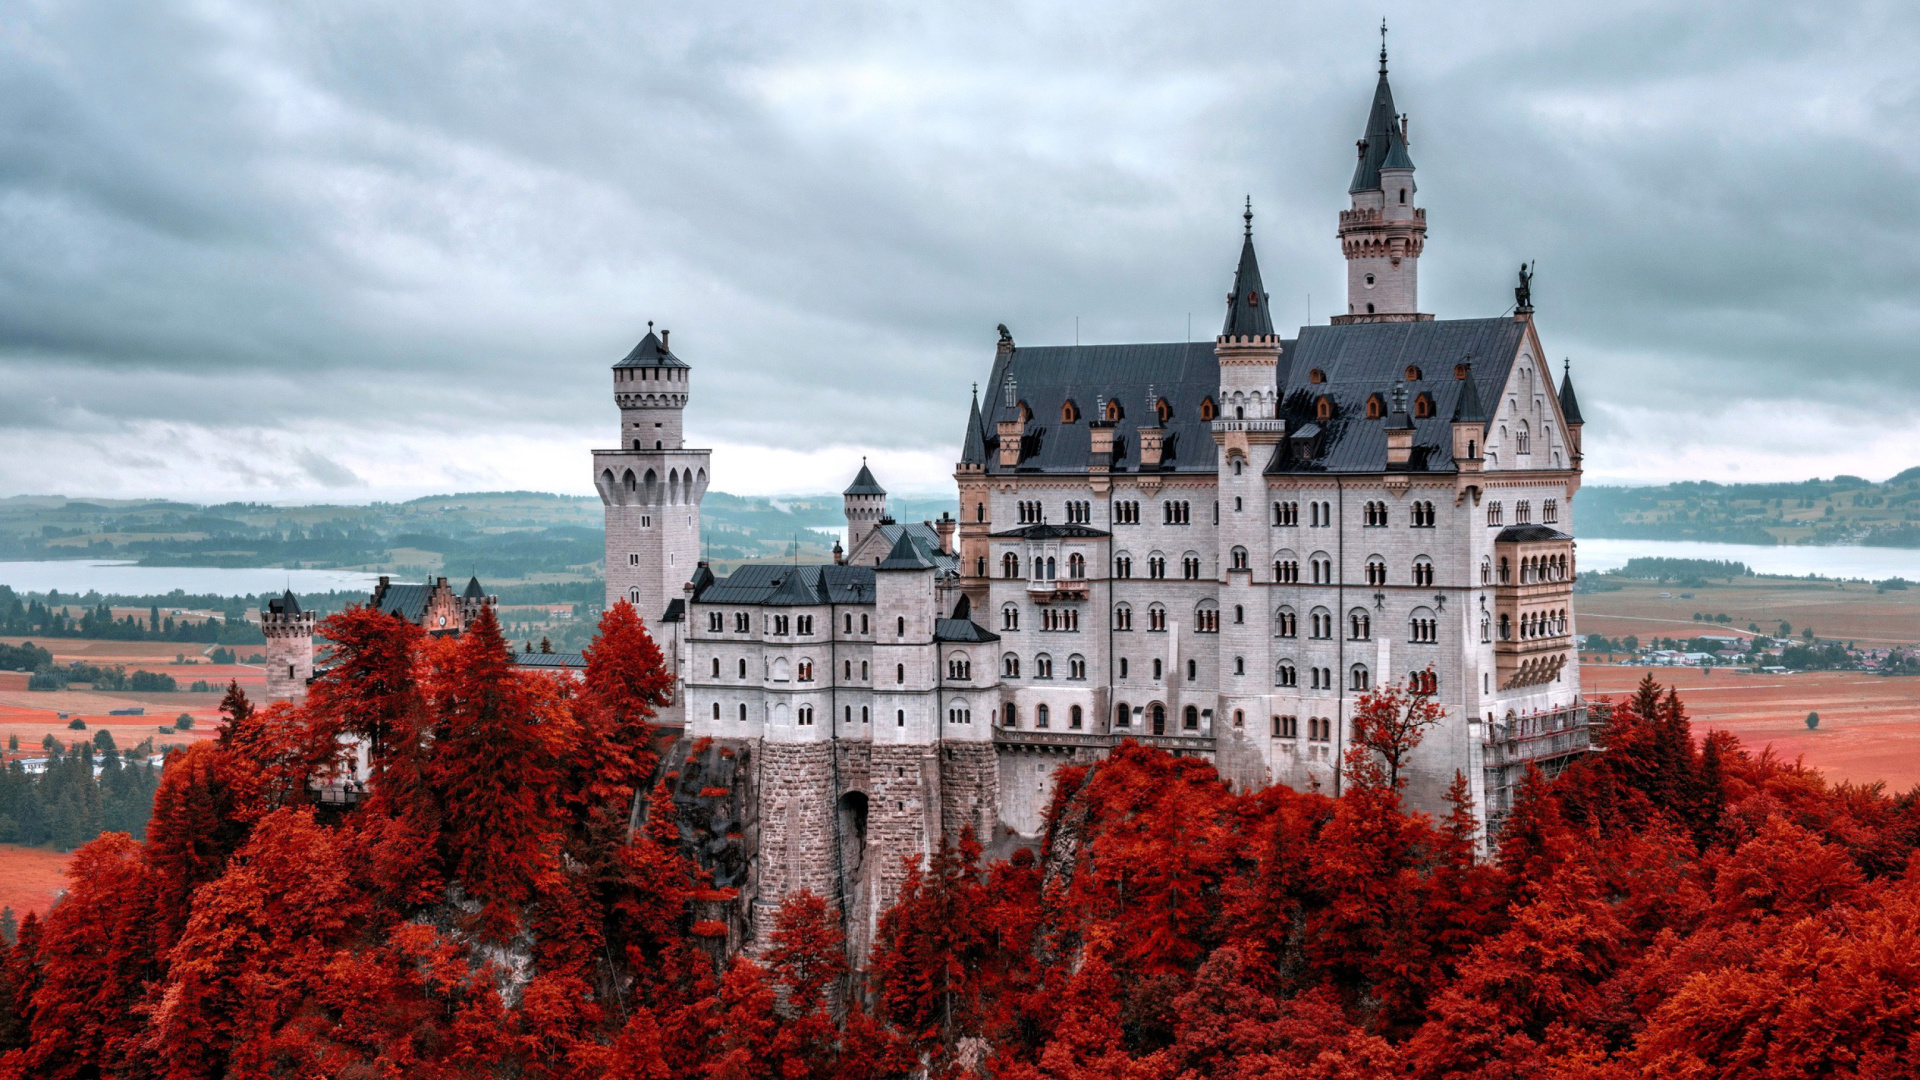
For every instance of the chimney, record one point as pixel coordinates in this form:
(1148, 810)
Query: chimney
(663, 340)
(945, 528)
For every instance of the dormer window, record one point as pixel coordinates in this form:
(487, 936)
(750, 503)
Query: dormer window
(1206, 410)
(1026, 414)
(1460, 371)
(1413, 374)
(1114, 411)
(1422, 407)
(1323, 408)
(1376, 408)
(1316, 376)
(1069, 412)
(1163, 410)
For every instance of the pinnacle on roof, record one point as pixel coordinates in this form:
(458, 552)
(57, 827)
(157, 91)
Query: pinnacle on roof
(1569, 404)
(652, 353)
(1468, 409)
(904, 556)
(1247, 304)
(474, 591)
(864, 483)
(1385, 143)
(973, 449)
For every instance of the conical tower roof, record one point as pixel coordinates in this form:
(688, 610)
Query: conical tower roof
(864, 483)
(474, 591)
(1383, 146)
(1468, 409)
(1569, 404)
(651, 352)
(973, 449)
(1247, 304)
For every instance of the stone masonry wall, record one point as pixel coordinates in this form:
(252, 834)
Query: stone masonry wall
(969, 791)
(796, 815)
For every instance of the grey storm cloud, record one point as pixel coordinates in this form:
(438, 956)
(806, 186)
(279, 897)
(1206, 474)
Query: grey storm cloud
(382, 218)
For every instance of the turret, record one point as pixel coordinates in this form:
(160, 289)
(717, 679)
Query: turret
(1570, 411)
(289, 633)
(865, 503)
(1384, 232)
(1469, 422)
(650, 386)
(1248, 349)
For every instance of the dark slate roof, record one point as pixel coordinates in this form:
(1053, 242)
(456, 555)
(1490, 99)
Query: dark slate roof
(408, 602)
(905, 556)
(676, 610)
(474, 591)
(1569, 404)
(793, 590)
(285, 604)
(973, 448)
(961, 630)
(1047, 376)
(1383, 147)
(756, 585)
(651, 352)
(1467, 408)
(864, 483)
(562, 660)
(1528, 534)
(1363, 359)
(925, 537)
(1247, 314)
(1049, 531)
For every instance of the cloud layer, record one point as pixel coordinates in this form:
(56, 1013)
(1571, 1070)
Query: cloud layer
(354, 251)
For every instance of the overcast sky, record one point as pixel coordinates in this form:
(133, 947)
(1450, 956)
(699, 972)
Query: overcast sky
(370, 250)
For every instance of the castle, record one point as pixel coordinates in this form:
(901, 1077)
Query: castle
(1216, 549)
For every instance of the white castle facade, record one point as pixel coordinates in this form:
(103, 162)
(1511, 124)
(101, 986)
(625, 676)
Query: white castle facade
(1217, 549)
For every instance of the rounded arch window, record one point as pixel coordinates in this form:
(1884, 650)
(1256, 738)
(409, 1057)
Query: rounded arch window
(1163, 409)
(1460, 371)
(1413, 373)
(1190, 719)
(1069, 412)
(1239, 557)
(1207, 410)
(1376, 407)
(1358, 678)
(1316, 376)
(1422, 406)
(1114, 411)
(1323, 409)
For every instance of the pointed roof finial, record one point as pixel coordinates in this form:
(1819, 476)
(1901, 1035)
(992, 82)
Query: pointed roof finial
(1249, 217)
(1383, 46)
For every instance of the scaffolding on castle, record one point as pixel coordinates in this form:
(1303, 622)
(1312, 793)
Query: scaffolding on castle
(1547, 739)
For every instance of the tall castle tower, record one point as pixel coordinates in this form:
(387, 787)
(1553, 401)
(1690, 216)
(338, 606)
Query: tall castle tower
(865, 503)
(1383, 233)
(289, 634)
(652, 486)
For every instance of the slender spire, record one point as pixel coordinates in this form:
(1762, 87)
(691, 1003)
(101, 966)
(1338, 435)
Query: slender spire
(1247, 303)
(1384, 146)
(973, 449)
(1468, 410)
(1569, 404)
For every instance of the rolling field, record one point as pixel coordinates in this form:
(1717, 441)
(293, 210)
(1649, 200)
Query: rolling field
(34, 714)
(1869, 725)
(1853, 612)
(31, 878)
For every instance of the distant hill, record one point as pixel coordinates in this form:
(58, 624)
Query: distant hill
(503, 536)
(1843, 510)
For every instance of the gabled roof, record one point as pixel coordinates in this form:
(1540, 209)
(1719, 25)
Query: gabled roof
(1569, 404)
(1528, 534)
(407, 602)
(1247, 314)
(794, 590)
(1359, 360)
(651, 352)
(755, 585)
(924, 535)
(905, 556)
(1050, 531)
(973, 448)
(961, 630)
(1383, 146)
(864, 483)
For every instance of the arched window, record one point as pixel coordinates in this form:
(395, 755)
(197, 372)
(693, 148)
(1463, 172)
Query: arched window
(1284, 624)
(1043, 666)
(1286, 674)
(1376, 407)
(1122, 715)
(1009, 716)
(900, 629)
(1069, 412)
(1114, 411)
(1009, 617)
(1422, 570)
(1040, 716)
(1357, 678)
(899, 673)
(1376, 570)
(1359, 624)
(1422, 627)
(1010, 666)
(1413, 374)
(1239, 614)
(1163, 409)
(1323, 409)
(1156, 618)
(1074, 717)
(1190, 720)
(1521, 439)
(1239, 665)
(1159, 719)
(1207, 411)
(1010, 565)
(1122, 617)
(1422, 406)
(1076, 566)
(1239, 557)
(1506, 628)
(1076, 666)
(1322, 623)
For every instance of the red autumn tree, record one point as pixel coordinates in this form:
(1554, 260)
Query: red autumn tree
(1391, 722)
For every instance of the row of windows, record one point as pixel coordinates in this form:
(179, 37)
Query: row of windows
(958, 714)
(1373, 515)
(1319, 728)
(1044, 567)
(778, 625)
(1043, 666)
(1535, 568)
(1535, 624)
(1523, 512)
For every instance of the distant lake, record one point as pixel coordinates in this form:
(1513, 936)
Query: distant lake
(1872, 563)
(77, 576)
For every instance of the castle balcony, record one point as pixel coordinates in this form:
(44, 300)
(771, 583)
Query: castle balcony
(1256, 427)
(1051, 589)
(1051, 739)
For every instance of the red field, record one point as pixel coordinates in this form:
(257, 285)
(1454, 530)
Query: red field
(1869, 726)
(30, 878)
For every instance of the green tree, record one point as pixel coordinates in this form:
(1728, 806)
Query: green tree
(1813, 720)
